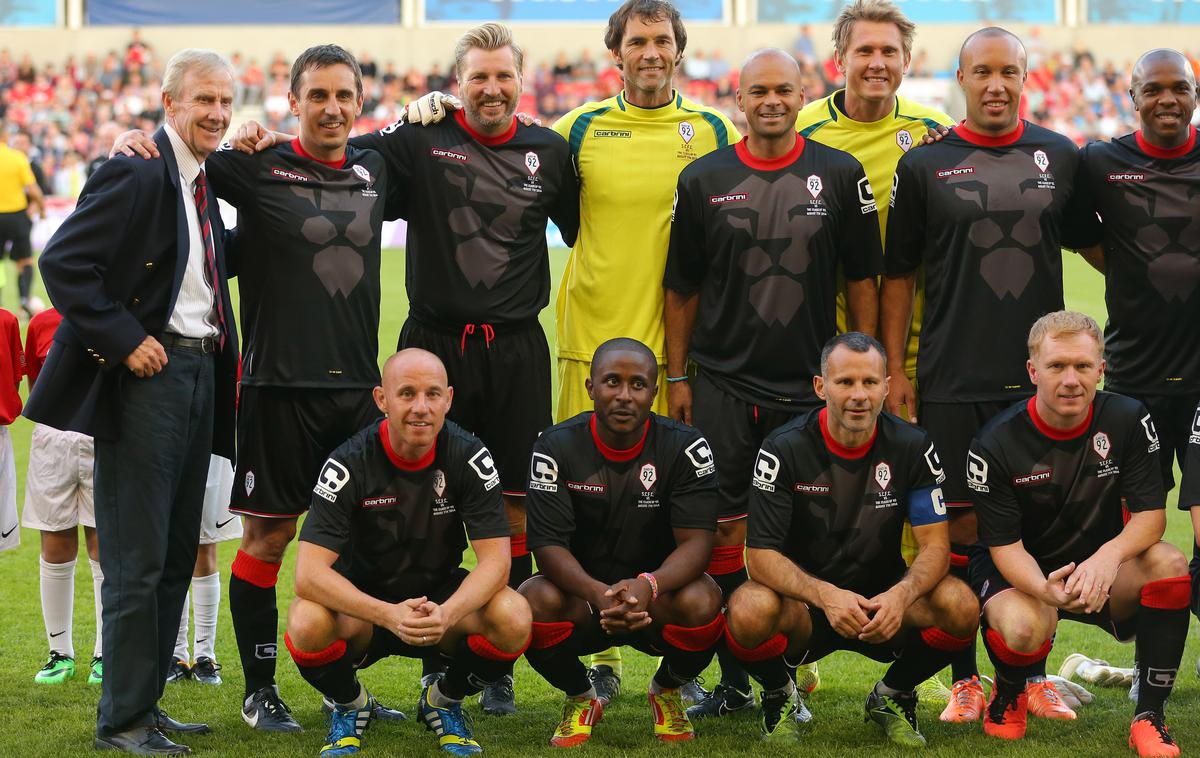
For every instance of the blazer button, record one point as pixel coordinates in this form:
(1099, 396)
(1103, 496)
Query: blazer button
(102, 361)
(137, 301)
(149, 264)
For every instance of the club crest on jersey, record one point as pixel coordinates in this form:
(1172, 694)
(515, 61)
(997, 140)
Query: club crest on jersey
(362, 173)
(904, 140)
(1041, 160)
(1151, 433)
(648, 476)
(439, 483)
(977, 473)
(485, 467)
(813, 185)
(1101, 445)
(766, 471)
(883, 475)
(543, 473)
(532, 162)
(686, 131)
(333, 477)
(700, 454)
(249, 483)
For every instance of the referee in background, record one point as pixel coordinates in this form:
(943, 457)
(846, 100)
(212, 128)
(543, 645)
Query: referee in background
(19, 193)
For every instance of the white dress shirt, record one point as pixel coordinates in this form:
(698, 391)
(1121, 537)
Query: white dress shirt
(194, 314)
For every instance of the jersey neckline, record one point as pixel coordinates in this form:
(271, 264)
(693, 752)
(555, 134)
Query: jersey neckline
(613, 454)
(299, 150)
(404, 464)
(1158, 152)
(837, 105)
(625, 105)
(837, 448)
(742, 149)
(1061, 435)
(984, 140)
(483, 139)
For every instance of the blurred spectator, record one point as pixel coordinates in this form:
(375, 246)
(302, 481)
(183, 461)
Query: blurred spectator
(803, 48)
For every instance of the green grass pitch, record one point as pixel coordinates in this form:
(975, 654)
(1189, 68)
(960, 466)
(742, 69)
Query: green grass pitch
(58, 721)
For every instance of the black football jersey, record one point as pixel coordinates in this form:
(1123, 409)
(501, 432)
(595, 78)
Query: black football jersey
(838, 513)
(396, 525)
(1061, 492)
(476, 210)
(1149, 201)
(614, 509)
(306, 256)
(984, 215)
(762, 241)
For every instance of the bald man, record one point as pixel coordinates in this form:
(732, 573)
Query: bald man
(984, 212)
(760, 231)
(380, 573)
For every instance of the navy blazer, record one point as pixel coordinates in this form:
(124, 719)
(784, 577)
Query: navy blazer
(113, 270)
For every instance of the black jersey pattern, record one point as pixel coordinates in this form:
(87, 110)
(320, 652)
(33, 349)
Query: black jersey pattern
(839, 513)
(985, 217)
(762, 242)
(306, 257)
(476, 210)
(1149, 200)
(615, 511)
(1189, 488)
(398, 528)
(1061, 493)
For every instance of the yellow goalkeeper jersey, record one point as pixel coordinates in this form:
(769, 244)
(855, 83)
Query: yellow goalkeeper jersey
(629, 159)
(878, 146)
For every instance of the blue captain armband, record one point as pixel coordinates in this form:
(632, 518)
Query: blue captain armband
(926, 506)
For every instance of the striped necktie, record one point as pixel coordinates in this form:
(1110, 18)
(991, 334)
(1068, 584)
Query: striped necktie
(210, 253)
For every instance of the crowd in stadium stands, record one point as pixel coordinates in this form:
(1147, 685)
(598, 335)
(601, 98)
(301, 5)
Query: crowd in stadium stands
(59, 110)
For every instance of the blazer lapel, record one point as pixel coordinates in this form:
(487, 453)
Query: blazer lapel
(183, 243)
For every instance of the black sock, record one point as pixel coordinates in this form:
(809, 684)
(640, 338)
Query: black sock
(765, 663)
(963, 665)
(476, 664)
(255, 618)
(927, 652)
(733, 674)
(432, 664)
(1013, 668)
(25, 283)
(1162, 625)
(553, 655)
(519, 570)
(328, 671)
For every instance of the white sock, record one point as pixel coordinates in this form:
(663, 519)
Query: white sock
(97, 580)
(437, 699)
(181, 646)
(58, 601)
(206, 600)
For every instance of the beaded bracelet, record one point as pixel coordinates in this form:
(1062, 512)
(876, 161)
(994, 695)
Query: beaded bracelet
(653, 584)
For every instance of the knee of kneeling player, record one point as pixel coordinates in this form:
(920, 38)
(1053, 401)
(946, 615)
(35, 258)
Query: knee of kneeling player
(508, 618)
(752, 614)
(1165, 561)
(310, 626)
(955, 607)
(694, 604)
(544, 599)
(1022, 634)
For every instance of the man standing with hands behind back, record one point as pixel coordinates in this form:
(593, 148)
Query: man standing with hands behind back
(145, 361)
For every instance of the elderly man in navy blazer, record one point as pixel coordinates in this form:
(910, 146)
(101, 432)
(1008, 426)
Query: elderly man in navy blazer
(145, 361)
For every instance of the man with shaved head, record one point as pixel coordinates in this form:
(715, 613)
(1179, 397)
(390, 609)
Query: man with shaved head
(1146, 242)
(622, 510)
(380, 569)
(983, 211)
(761, 231)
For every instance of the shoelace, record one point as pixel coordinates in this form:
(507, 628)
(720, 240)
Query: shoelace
(343, 724)
(1049, 692)
(672, 711)
(456, 721)
(568, 718)
(274, 705)
(55, 657)
(908, 708)
(962, 693)
(1156, 721)
(999, 706)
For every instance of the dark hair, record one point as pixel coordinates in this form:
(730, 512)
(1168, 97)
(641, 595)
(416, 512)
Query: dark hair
(649, 10)
(629, 344)
(856, 341)
(321, 56)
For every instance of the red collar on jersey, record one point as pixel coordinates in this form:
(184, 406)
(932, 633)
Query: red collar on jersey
(984, 140)
(1050, 431)
(1159, 152)
(483, 139)
(837, 448)
(404, 464)
(301, 152)
(768, 164)
(612, 454)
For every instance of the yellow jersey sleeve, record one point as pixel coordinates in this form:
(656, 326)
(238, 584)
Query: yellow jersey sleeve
(629, 159)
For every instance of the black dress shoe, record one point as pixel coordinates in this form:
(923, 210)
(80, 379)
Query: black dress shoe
(141, 740)
(168, 724)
